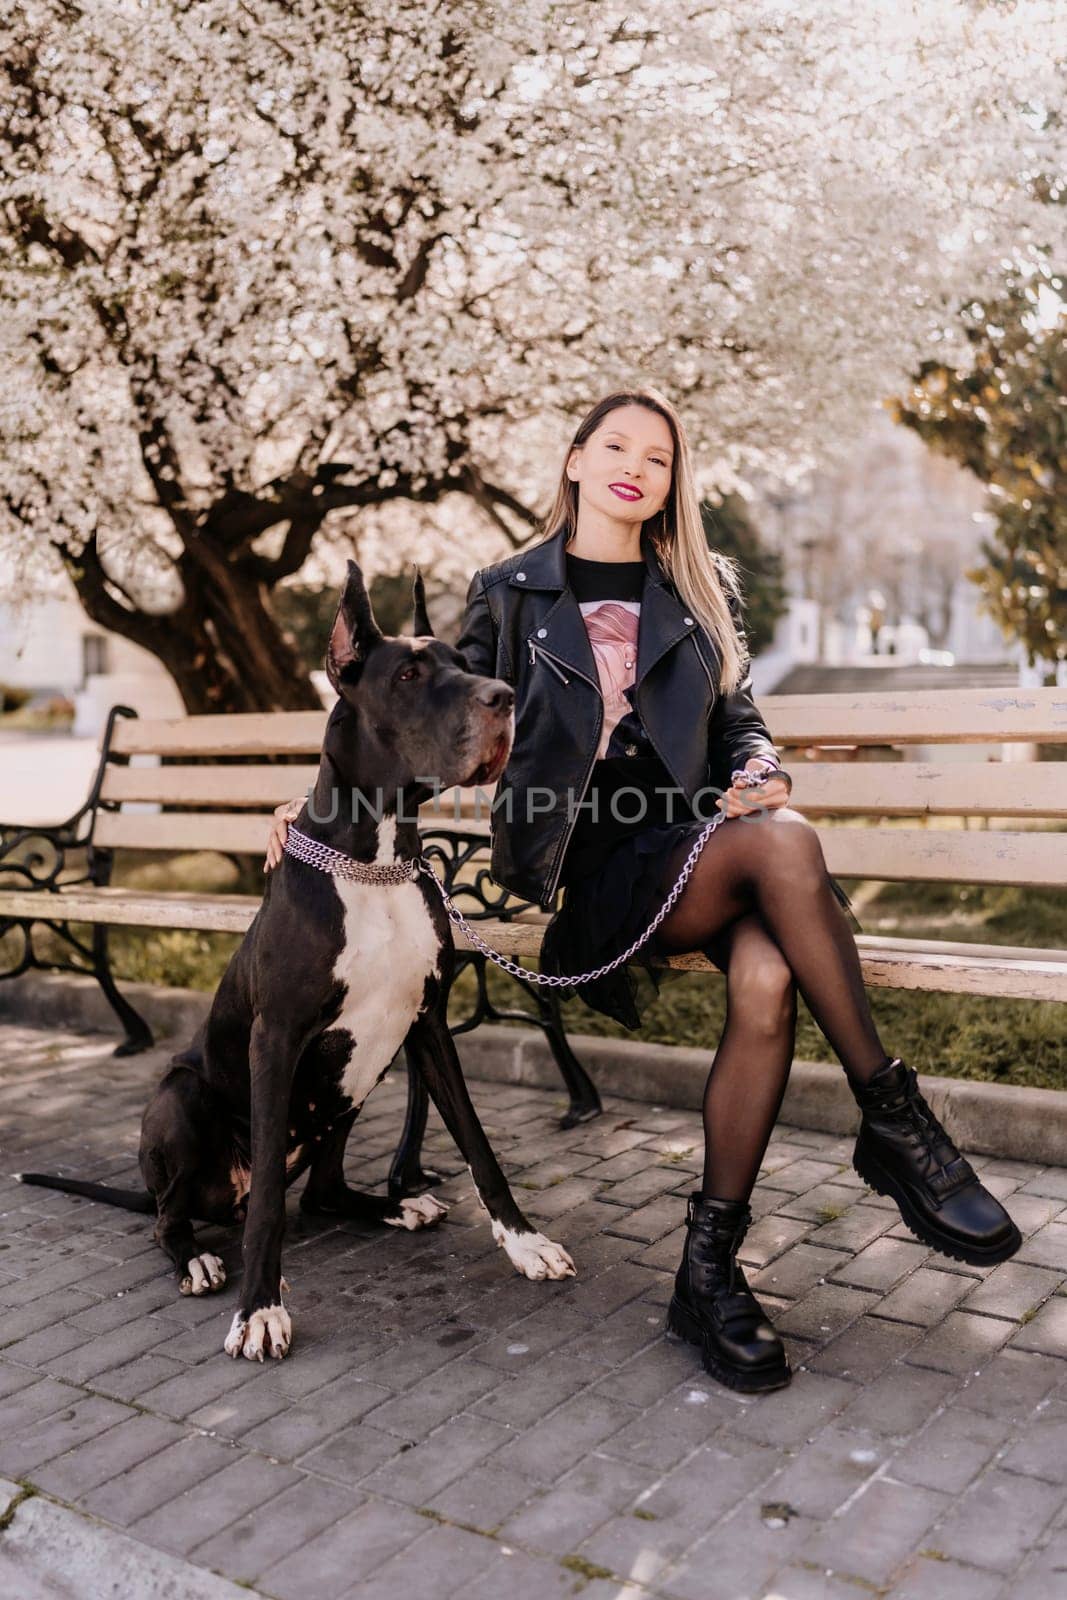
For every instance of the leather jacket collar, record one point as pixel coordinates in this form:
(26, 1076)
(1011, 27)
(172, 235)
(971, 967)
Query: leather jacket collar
(664, 619)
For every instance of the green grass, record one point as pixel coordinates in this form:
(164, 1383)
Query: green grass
(586, 1569)
(969, 914)
(173, 956)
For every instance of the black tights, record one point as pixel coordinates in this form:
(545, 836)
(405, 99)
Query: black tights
(760, 897)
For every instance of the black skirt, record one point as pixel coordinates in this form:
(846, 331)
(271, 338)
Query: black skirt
(609, 903)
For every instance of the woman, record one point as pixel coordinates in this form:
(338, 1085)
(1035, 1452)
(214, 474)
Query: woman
(621, 634)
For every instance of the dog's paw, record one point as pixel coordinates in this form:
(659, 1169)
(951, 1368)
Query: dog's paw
(203, 1275)
(268, 1331)
(420, 1211)
(533, 1255)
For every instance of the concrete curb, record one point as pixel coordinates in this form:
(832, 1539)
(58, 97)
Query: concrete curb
(48, 1550)
(993, 1119)
(1015, 1124)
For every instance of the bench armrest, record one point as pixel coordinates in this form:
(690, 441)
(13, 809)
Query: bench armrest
(43, 866)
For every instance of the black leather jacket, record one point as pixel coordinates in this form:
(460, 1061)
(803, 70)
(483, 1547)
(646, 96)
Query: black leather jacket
(522, 624)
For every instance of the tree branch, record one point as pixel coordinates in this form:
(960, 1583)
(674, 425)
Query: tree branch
(94, 586)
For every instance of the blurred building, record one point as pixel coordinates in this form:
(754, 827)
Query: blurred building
(51, 651)
(50, 647)
(874, 554)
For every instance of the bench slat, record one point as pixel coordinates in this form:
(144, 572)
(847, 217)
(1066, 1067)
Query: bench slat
(935, 855)
(942, 855)
(232, 786)
(251, 786)
(923, 788)
(184, 830)
(888, 789)
(202, 830)
(1010, 973)
(1022, 789)
(243, 734)
(135, 908)
(932, 855)
(919, 716)
(931, 716)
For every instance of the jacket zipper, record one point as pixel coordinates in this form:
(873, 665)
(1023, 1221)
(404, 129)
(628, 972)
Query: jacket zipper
(539, 650)
(552, 661)
(707, 673)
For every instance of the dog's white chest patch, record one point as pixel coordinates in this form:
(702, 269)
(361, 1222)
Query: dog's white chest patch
(390, 948)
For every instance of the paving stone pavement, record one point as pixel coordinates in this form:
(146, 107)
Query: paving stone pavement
(444, 1426)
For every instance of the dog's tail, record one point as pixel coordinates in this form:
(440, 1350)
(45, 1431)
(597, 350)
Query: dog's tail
(128, 1199)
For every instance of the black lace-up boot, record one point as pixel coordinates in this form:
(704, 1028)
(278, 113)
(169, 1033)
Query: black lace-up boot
(903, 1151)
(714, 1307)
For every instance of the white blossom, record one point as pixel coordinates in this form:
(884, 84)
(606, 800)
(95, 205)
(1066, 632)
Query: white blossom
(412, 238)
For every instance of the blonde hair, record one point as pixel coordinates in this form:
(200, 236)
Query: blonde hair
(706, 580)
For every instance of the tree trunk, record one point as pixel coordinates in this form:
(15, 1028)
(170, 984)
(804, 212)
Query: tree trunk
(263, 669)
(222, 646)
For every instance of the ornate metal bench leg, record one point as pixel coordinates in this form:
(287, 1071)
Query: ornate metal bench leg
(407, 1175)
(456, 851)
(138, 1033)
(585, 1101)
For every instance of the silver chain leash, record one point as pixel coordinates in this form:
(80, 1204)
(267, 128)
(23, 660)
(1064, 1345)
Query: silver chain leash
(739, 780)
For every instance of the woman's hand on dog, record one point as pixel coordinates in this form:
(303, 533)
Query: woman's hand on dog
(287, 812)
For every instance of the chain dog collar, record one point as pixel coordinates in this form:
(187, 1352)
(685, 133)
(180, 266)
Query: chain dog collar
(338, 865)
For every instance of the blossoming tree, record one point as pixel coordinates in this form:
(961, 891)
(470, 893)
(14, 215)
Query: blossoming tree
(269, 269)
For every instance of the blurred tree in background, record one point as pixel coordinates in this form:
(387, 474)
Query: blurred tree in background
(271, 276)
(1004, 415)
(729, 528)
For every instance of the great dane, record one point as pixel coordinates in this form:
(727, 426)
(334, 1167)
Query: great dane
(333, 976)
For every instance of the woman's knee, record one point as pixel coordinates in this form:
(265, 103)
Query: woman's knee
(787, 838)
(759, 980)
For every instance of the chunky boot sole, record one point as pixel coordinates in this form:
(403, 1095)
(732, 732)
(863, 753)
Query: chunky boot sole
(686, 1326)
(878, 1178)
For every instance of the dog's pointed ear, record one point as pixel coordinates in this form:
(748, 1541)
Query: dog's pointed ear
(421, 625)
(355, 632)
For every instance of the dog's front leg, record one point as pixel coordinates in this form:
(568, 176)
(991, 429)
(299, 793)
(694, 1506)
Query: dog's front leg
(431, 1049)
(261, 1325)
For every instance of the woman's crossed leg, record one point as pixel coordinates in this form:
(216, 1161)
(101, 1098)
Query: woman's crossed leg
(771, 862)
(751, 1066)
(760, 894)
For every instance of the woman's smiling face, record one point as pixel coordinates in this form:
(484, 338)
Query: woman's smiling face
(624, 467)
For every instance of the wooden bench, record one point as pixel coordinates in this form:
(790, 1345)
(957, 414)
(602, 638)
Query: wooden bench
(911, 821)
(213, 781)
(210, 783)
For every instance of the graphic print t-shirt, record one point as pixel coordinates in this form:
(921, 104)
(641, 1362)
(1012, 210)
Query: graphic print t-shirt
(609, 597)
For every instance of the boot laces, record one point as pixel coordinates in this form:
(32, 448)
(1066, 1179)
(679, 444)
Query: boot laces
(721, 1241)
(910, 1105)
